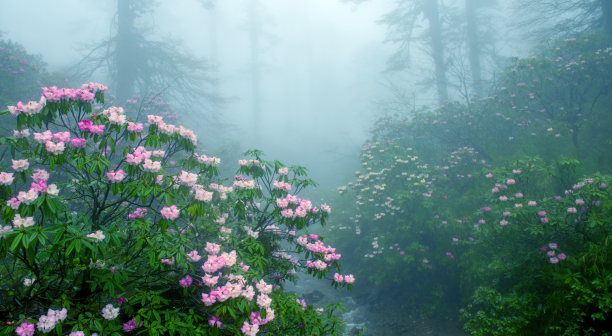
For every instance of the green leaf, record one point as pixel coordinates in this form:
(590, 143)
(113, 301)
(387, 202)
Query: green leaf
(16, 241)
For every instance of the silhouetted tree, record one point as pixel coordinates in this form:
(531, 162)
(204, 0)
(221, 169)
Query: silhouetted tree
(136, 64)
(539, 19)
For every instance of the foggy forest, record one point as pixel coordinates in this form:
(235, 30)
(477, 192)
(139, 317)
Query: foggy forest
(306, 167)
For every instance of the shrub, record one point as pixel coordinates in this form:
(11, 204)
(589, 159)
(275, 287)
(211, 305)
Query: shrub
(106, 234)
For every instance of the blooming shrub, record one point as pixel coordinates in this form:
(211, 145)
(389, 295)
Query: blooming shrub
(463, 202)
(104, 235)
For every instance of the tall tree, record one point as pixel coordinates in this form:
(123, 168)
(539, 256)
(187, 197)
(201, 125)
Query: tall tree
(402, 23)
(540, 19)
(474, 44)
(255, 26)
(137, 64)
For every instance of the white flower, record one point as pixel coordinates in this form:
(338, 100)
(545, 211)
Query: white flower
(109, 312)
(97, 236)
(20, 165)
(52, 190)
(28, 282)
(19, 222)
(27, 197)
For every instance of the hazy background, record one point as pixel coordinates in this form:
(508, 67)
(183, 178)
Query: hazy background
(323, 62)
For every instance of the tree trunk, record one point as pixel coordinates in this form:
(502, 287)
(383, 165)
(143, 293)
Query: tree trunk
(126, 51)
(255, 27)
(474, 46)
(606, 8)
(437, 48)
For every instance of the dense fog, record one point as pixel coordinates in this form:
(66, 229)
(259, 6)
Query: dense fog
(443, 165)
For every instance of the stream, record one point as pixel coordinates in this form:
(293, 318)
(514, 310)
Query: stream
(381, 315)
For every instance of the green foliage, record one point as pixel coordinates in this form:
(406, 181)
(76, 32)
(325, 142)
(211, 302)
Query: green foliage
(474, 193)
(113, 224)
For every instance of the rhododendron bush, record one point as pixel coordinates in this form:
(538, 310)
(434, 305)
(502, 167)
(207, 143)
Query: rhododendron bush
(104, 233)
(500, 206)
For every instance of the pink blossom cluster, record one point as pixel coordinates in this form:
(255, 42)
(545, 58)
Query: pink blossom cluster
(131, 325)
(282, 185)
(208, 160)
(94, 87)
(134, 128)
(138, 156)
(29, 109)
(186, 281)
(244, 185)
(243, 163)
(117, 176)
(46, 323)
(349, 279)
(188, 179)
(319, 264)
(88, 126)
(170, 213)
(21, 134)
(138, 213)
(203, 195)
(25, 329)
(6, 178)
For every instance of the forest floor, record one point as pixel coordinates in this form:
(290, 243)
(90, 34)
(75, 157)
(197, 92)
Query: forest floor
(381, 315)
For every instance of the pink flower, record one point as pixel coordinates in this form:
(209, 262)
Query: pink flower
(97, 129)
(579, 201)
(503, 198)
(506, 213)
(489, 175)
(455, 239)
(61, 137)
(26, 329)
(313, 237)
(552, 246)
(287, 213)
(516, 172)
(554, 260)
(482, 221)
(425, 261)
(215, 321)
(532, 203)
(572, 210)
(542, 213)
(349, 279)
(213, 248)
(249, 329)
(193, 256)
(78, 143)
(544, 220)
(20, 165)
(511, 182)
(134, 128)
(55, 148)
(6, 178)
(13, 203)
(518, 195)
(326, 208)
(338, 278)
(43, 137)
(561, 256)
(551, 253)
(21, 134)
(503, 222)
(170, 213)
(167, 261)
(186, 281)
(84, 125)
(151, 166)
(116, 176)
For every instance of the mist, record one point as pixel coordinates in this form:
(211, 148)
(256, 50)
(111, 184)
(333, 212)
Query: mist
(453, 156)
